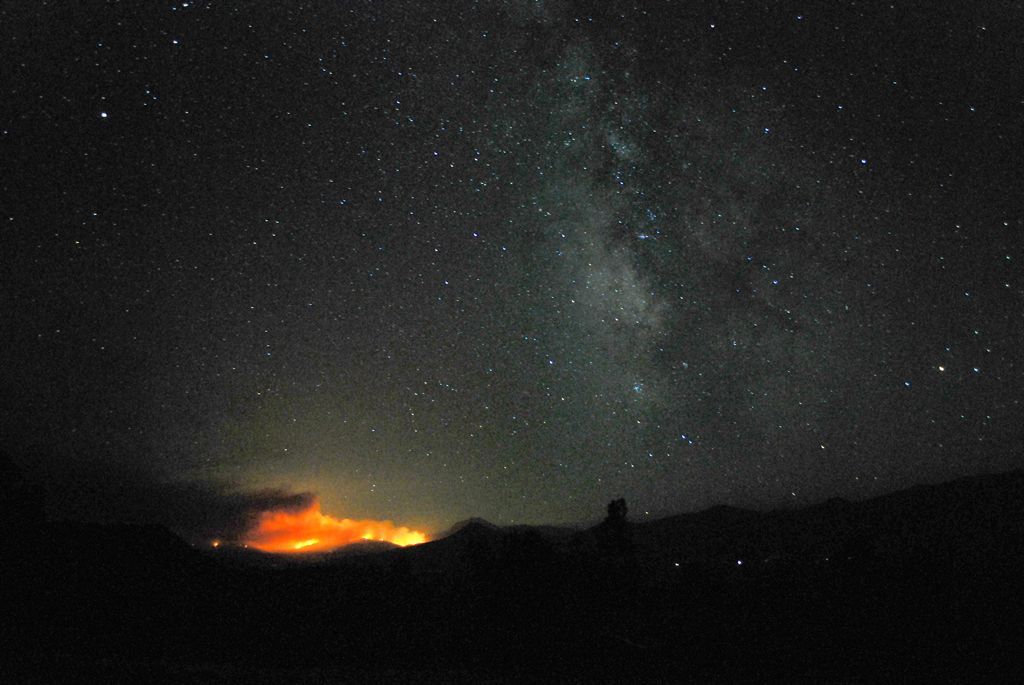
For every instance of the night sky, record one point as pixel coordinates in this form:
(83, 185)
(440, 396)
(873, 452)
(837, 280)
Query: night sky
(432, 260)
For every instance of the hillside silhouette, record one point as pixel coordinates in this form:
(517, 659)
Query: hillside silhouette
(920, 585)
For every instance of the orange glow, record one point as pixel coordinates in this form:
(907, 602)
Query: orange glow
(309, 530)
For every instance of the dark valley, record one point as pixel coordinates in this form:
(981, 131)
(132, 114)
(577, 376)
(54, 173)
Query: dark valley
(920, 585)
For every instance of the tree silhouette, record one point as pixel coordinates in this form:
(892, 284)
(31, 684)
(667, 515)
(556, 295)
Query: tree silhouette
(614, 534)
(617, 511)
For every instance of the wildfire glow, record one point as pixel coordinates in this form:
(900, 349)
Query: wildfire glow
(310, 530)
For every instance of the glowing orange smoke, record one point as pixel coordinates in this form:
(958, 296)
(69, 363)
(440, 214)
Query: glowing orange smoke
(309, 530)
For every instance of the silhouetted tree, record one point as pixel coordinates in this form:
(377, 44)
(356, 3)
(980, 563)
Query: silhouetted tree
(617, 511)
(614, 535)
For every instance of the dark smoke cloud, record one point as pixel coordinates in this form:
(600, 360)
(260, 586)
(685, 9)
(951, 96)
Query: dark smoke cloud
(198, 511)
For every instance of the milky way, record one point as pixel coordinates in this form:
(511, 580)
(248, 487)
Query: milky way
(511, 260)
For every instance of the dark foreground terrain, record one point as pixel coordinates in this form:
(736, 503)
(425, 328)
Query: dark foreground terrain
(923, 585)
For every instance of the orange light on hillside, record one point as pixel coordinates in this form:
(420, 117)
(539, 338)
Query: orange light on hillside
(310, 530)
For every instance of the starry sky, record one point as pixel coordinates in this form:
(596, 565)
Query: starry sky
(509, 259)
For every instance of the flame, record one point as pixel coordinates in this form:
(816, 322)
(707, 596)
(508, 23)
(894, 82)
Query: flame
(310, 530)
